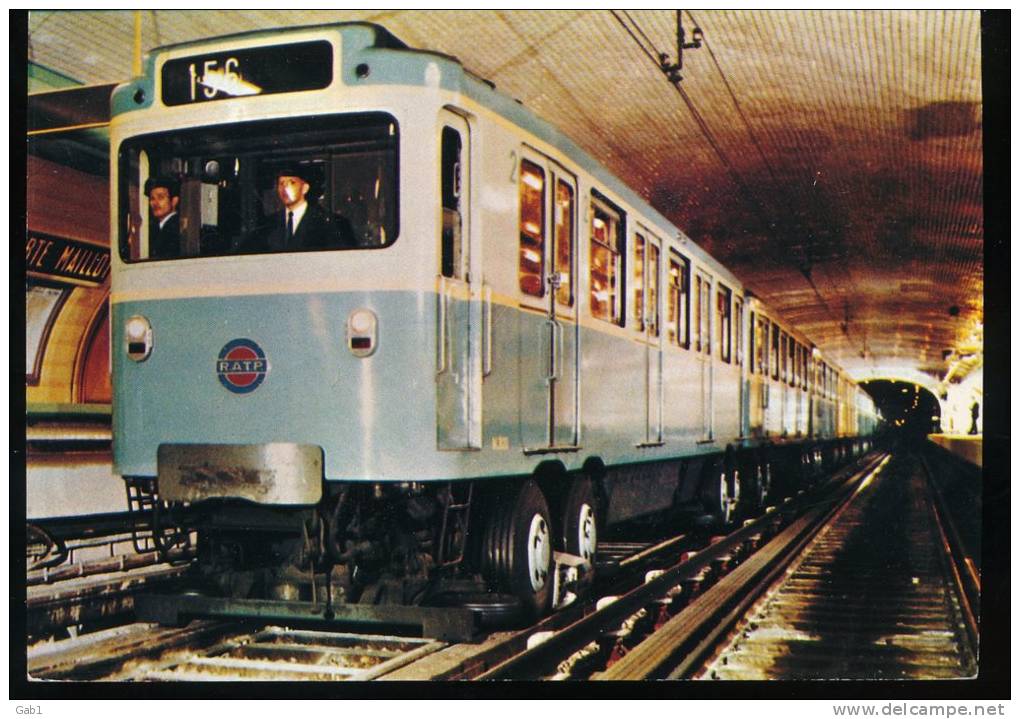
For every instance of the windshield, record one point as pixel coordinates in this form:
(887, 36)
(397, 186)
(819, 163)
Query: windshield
(323, 183)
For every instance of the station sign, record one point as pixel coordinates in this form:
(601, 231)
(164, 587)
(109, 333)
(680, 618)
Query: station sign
(252, 71)
(71, 261)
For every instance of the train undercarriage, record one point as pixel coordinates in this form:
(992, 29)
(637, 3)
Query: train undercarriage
(530, 542)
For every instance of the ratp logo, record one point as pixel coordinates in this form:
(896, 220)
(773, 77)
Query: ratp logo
(241, 366)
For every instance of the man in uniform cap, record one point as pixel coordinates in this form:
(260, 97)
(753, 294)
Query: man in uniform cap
(302, 224)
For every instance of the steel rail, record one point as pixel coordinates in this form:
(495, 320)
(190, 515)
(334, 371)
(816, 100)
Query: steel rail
(97, 655)
(682, 643)
(541, 660)
(966, 580)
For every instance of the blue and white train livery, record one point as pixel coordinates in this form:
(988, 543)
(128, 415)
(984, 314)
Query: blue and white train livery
(492, 349)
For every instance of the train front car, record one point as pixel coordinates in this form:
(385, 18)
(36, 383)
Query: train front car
(273, 310)
(328, 245)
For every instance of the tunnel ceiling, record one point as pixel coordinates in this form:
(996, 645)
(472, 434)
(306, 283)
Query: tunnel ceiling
(831, 159)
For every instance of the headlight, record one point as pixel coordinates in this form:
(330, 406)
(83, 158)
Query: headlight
(362, 330)
(138, 338)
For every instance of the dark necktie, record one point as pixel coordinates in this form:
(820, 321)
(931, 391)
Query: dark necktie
(290, 227)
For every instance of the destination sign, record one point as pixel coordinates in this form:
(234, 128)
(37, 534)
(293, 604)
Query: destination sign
(252, 71)
(80, 263)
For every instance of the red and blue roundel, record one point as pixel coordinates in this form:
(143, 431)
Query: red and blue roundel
(241, 366)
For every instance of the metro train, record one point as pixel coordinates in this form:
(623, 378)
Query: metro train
(504, 353)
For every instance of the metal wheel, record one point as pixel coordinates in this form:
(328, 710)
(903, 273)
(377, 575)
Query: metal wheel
(517, 547)
(580, 536)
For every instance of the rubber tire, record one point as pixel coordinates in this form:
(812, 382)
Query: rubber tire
(720, 470)
(505, 547)
(580, 494)
(765, 466)
(754, 489)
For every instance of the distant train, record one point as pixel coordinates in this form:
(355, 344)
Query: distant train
(491, 350)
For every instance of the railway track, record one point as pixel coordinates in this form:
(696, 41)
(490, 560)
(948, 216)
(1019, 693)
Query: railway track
(875, 596)
(216, 651)
(855, 581)
(671, 609)
(655, 630)
(578, 644)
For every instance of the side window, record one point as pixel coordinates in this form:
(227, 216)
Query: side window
(698, 290)
(653, 289)
(606, 261)
(639, 281)
(563, 236)
(702, 314)
(738, 312)
(774, 355)
(724, 333)
(679, 301)
(761, 345)
(531, 268)
(791, 348)
(452, 264)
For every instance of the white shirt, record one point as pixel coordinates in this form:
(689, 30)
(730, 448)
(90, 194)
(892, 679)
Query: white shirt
(299, 212)
(164, 220)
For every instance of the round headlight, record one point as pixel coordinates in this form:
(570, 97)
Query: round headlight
(136, 328)
(362, 321)
(138, 338)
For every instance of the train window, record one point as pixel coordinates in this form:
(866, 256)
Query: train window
(606, 261)
(698, 290)
(228, 200)
(452, 262)
(724, 333)
(753, 329)
(738, 313)
(563, 236)
(784, 340)
(791, 349)
(774, 358)
(531, 268)
(679, 300)
(639, 281)
(653, 290)
(761, 345)
(702, 314)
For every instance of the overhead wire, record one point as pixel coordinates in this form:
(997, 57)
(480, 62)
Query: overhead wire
(757, 207)
(652, 53)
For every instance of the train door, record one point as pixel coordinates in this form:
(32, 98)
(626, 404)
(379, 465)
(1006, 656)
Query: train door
(703, 349)
(647, 276)
(757, 372)
(740, 335)
(547, 282)
(812, 372)
(458, 340)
